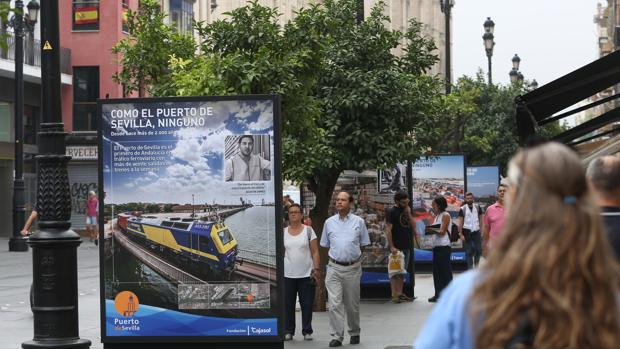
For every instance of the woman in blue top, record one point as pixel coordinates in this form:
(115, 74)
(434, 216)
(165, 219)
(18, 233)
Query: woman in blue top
(551, 282)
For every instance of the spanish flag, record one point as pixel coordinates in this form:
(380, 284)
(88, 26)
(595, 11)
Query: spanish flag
(86, 15)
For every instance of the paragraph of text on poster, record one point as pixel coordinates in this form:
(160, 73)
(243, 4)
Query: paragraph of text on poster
(141, 158)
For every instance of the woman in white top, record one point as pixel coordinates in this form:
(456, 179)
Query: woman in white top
(301, 267)
(442, 270)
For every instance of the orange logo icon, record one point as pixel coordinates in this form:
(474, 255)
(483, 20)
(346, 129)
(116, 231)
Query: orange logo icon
(126, 303)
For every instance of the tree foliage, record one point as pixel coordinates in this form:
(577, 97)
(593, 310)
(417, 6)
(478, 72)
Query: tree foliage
(145, 52)
(480, 121)
(348, 102)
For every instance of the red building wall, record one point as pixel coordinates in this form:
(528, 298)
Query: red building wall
(93, 48)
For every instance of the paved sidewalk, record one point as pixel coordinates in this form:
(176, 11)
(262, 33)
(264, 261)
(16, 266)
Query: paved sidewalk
(383, 324)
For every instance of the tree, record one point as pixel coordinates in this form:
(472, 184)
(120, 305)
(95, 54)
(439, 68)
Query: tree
(480, 121)
(347, 101)
(145, 52)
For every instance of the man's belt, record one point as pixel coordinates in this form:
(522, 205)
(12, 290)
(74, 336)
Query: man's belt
(346, 264)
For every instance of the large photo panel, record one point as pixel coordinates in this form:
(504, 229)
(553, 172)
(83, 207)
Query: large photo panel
(482, 182)
(433, 176)
(190, 219)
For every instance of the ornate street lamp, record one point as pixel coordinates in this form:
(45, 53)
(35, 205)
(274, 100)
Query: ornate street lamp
(489, 43)
(18, 22)
(514, 74)
(54, 246)
(515, 62)
(519, 78)
(489, 25)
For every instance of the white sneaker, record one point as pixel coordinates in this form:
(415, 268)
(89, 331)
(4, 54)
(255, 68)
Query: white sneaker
(307, 337)
(288, 337)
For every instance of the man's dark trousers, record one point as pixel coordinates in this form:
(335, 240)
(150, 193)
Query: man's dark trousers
(473, 248)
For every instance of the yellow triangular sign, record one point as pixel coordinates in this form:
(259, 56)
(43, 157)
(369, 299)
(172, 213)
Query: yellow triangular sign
(47, 45)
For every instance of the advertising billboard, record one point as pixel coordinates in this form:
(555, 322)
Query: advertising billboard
(190, 216)
(431, 177)
(482, 182)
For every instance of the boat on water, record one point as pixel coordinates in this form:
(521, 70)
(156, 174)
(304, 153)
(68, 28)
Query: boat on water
(206, 246)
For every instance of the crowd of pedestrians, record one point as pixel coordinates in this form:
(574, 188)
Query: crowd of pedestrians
(550, 245)
(550, 279)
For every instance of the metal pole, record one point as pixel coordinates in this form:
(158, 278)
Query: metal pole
(447, 11)
(17, 241)
(490, 72)
(54, 246)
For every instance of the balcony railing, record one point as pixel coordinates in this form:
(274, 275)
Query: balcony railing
(32, 52)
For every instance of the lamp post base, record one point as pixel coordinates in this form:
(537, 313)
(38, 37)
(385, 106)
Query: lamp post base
(55, 298)
(78, 344)
(18, 244)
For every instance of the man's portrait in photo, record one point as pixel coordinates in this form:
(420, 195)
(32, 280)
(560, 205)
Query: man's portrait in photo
(247, 158)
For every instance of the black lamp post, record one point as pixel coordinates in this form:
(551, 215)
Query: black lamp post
(18, 22)
(489, 43)
(515, 62)
(54, 246)
(446, 8)
(514, 74)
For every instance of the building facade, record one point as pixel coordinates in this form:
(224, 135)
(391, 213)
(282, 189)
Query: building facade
(31, 115)
(400, 12)
(89, 28)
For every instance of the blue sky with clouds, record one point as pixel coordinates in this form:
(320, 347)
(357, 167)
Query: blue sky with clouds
(445, 166)
(192, 158)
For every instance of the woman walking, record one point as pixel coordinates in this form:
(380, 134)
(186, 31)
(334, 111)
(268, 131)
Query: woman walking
(551, 281)
(92, 209)
(442, 270)
(301, 267)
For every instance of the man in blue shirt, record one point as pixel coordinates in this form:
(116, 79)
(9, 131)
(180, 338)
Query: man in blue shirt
(344, 234)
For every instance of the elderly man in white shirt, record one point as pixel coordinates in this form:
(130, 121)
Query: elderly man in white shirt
(344, 234)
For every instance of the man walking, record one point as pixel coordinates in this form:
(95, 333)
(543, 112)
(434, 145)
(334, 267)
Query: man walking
(604, 178)
(470, 216)
(344, 234)
(399, 232)
(493, 220)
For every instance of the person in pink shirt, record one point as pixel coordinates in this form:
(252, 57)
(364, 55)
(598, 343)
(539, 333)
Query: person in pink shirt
(92, 208)
(493, 220)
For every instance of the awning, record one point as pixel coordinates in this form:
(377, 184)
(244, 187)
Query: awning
(537, 107)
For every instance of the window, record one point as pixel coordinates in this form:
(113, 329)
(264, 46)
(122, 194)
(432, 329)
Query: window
(166, 224)
(85, 14)
(6, 127)
(225, 236)
(204, 244)
(31, 117)
(85, 94)
(183, 226)
(182, 15)
(124, 15)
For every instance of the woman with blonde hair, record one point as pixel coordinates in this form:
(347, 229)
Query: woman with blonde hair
(551, 282)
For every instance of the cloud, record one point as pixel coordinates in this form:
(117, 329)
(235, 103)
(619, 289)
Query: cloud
(180, 170)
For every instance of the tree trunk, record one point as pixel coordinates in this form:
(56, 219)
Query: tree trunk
(323, 189)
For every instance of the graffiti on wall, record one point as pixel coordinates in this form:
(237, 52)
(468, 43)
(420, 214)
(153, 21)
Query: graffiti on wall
(79, 195)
